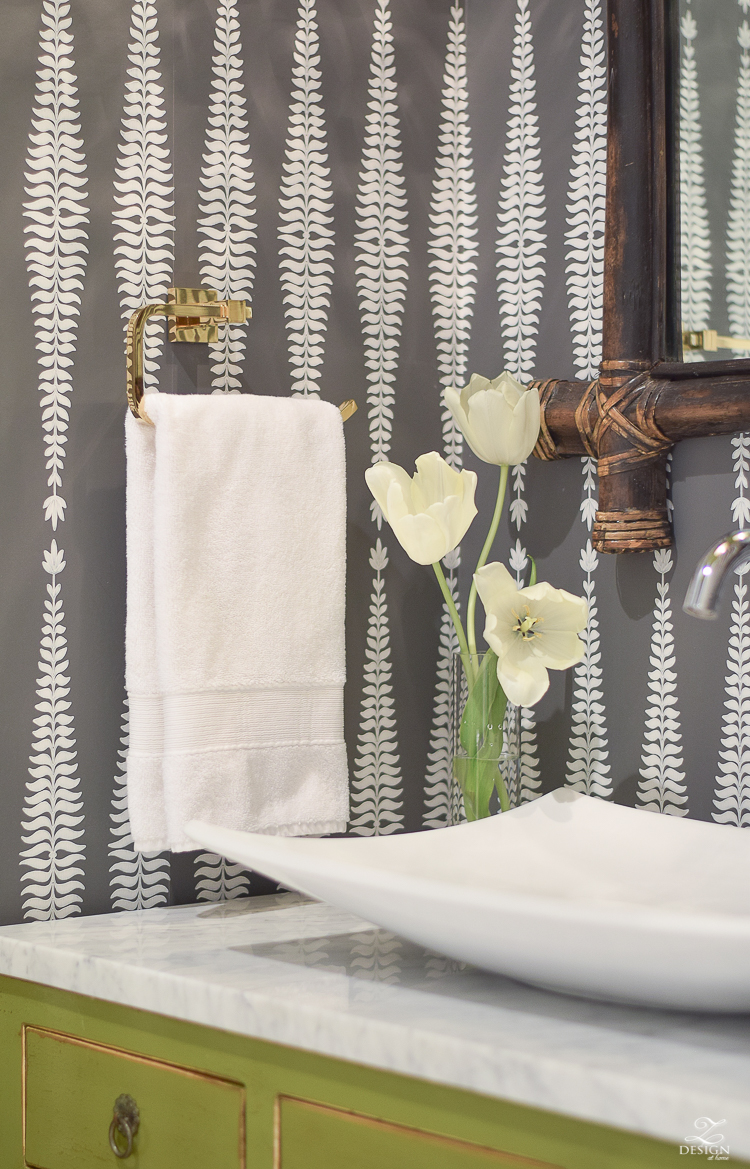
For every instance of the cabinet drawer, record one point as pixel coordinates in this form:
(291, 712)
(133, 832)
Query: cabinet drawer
(187, 1119)
(314, 1136)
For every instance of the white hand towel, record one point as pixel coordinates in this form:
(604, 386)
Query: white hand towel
(235, 617)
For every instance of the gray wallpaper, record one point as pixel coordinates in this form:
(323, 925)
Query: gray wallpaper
(151, 143)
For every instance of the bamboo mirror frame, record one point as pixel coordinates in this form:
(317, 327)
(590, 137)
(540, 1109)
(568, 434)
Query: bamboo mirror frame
(645, 398)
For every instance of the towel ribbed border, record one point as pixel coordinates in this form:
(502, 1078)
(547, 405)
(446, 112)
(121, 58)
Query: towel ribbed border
(235, 720)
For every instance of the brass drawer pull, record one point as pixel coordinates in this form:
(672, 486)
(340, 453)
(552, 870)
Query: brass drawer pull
(125, 1120)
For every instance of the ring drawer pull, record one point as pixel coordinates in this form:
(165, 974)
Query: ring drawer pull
(125, 1120)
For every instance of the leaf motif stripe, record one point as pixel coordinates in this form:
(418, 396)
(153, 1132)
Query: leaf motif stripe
(144, 219)
(56, 247)
(588, 769)
(732, 792)
(695, 241)
(306, 212)
(381, 257)
(226, 224)
(661, 787)
(521, 242)
(453, 248)
(144, 257)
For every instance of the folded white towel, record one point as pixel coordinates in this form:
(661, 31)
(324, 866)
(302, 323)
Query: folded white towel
(235, 617)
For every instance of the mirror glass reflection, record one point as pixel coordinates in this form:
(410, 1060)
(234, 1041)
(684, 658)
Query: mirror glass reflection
(715, 178)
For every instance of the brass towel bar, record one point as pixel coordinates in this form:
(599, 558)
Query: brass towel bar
(194, 315)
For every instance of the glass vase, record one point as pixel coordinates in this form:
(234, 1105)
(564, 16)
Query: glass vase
(486, 740)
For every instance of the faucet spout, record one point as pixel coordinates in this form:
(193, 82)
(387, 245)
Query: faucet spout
(704, 590)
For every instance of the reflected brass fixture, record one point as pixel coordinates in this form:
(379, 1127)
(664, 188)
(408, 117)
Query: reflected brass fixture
(709, 340)
(194, 315)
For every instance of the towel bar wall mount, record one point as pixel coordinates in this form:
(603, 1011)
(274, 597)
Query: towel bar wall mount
(194, 315)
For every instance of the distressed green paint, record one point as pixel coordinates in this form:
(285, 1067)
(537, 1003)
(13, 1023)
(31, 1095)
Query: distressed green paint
(349, 1139)
(269, 1070)
(193, 1121)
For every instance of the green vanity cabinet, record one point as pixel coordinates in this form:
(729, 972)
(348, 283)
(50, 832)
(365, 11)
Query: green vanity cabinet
(189, 1118)
(210, 1099)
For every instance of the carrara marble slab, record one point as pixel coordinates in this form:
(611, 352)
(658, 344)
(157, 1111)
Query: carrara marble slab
(310, 976)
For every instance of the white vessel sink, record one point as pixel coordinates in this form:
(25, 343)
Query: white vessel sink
(567, 892)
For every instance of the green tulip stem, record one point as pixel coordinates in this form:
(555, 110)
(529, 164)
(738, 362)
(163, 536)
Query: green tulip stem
(502, 793)
(470, 620)
(468, 666)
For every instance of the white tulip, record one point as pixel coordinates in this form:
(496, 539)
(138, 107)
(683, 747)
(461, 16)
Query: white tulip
(430, 514)
(531, 630)
(499, 419)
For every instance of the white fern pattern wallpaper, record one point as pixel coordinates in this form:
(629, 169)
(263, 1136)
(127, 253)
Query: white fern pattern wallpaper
(408, 191)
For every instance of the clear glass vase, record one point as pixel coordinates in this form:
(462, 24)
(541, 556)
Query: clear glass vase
(486, 740)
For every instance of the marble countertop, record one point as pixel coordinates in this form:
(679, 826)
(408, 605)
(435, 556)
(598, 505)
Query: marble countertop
(307, 975)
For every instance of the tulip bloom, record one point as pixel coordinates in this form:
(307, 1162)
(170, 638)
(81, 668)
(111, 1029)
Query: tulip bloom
(499, 419)
(430, 513)
(531, 630)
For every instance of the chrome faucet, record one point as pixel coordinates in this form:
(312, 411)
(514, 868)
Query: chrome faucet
(703, 594)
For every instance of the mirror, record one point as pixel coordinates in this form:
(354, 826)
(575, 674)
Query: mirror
(645, 399)
(714, 137)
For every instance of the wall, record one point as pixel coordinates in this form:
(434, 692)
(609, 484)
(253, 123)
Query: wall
(499, 167)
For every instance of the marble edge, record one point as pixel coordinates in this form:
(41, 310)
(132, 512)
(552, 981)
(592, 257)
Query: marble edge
(628, 1100)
